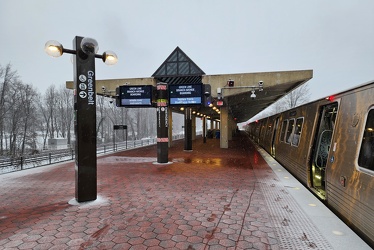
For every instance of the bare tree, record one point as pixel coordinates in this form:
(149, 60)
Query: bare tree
(14, 118)
(295, 98)
(8, 77)
(101, 115)
(65, 113)
(50, 108)
(298, 96)
(44, 121)
(28, 97)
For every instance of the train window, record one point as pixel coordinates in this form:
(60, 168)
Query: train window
(366, 156)
(297, 132)
(283, 131)
(291, 124)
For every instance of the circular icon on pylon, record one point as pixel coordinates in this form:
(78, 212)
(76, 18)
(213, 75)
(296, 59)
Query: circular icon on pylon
(82, 78)
(82, 94)
(162, 109)
(82, 86)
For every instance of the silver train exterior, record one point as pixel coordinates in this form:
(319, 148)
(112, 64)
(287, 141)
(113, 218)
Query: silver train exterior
(328, 145)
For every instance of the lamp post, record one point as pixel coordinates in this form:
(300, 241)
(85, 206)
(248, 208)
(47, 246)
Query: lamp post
(85, 50)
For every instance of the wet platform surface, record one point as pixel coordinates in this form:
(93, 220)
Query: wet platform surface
(208, 198)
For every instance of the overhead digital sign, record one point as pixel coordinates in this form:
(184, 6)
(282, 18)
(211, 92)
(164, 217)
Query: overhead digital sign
(135, 96)
(185, 94)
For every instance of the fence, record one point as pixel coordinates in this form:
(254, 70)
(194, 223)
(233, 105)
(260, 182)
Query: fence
(46, 158)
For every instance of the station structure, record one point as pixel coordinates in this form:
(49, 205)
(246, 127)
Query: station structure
(206, 199)
(232, 96)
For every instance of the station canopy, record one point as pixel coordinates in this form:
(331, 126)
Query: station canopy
(178, 68)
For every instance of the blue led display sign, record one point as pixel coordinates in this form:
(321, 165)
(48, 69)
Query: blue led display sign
(185, 94)
(135, 96)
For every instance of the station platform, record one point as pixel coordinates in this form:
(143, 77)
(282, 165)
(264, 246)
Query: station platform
(207, 198)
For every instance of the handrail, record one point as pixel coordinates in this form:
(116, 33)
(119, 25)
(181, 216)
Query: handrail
(56, 156)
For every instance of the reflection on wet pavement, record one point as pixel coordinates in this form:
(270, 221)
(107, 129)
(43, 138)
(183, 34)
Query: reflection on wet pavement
(125, 159)
(209, 161)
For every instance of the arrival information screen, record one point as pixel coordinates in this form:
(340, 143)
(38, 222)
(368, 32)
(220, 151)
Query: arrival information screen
(185, 94)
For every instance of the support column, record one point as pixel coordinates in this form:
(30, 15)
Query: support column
(170, 133)
(231, 126)
(187, 129)
(162, 123)
(224, 127)
(193, 123)
(204, 129)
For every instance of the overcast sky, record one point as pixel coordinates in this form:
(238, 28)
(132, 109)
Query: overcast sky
(334, 38)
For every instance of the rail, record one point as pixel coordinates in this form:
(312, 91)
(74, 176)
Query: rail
(8, 165)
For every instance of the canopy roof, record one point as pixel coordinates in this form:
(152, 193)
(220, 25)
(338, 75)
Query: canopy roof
(178, 68)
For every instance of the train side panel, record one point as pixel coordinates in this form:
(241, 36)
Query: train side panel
(333, 154)
(268, 129)
(350, 188)
(294, 156)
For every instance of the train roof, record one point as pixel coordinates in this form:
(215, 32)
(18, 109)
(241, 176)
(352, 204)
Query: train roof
(327, 97)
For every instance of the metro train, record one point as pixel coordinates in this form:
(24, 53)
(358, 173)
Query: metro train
(328, 145)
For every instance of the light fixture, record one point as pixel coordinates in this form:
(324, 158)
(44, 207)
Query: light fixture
(253, 95)
(110, 58)
(88, 45)
(260, 86)
(53, 48)
(230, 85)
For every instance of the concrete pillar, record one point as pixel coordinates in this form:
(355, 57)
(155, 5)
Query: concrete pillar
(230, 130)
(204, 129)
(224, 129)
(162, 123)
(193, 123)
(170, 132)
(187, 129)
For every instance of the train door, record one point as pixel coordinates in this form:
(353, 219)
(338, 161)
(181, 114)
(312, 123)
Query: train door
(274, 136)
(321, 147)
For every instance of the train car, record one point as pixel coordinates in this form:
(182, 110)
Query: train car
(328, 145)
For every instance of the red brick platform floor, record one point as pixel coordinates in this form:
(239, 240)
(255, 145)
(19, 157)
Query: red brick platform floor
(206, 199)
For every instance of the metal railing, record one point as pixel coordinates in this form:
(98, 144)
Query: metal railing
(8, 165)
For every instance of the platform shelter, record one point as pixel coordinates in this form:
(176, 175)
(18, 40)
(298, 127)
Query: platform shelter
(232, 96)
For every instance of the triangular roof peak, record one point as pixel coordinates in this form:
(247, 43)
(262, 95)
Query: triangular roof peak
(178, 65)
